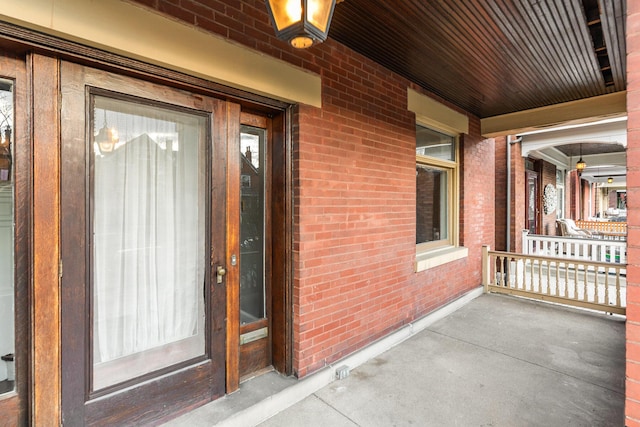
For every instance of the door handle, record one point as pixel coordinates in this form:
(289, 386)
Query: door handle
(220, 273)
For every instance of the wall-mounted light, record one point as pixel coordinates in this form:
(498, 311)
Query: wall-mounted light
(610, 179)
(5, 155)
(301, 23)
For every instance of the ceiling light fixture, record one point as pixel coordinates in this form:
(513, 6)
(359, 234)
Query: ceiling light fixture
(610, 179)
(301, 23)
(581, 163)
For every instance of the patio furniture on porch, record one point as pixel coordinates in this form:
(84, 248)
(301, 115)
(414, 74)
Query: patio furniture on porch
(568, 228)
(611, 230)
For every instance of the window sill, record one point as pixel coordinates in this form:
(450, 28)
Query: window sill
(434, 258)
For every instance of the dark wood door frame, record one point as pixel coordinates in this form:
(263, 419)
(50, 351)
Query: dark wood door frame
(535, 217)
(41, 208)
(281, 244)
(277, 244)
(14, 406)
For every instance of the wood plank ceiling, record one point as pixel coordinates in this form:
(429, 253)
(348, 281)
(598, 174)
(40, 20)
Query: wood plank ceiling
(493, 57)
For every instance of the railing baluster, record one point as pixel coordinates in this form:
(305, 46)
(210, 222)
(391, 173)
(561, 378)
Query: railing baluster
(531, 282)
(596, 293)
(575, 280)
(566, 279)
(585, 283)
(557, 278)
(548, 264)
(606, 286)
(618, 300)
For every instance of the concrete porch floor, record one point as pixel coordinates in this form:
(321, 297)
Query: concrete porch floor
(496, 361)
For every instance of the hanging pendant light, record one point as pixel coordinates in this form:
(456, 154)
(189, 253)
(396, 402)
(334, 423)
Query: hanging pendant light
(107, 137)
(581, 163)
(5, 155)
(301, 23)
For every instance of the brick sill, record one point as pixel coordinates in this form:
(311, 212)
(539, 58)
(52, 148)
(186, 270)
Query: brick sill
(430, 259)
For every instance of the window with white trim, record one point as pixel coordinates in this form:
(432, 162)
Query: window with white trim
(436, 189)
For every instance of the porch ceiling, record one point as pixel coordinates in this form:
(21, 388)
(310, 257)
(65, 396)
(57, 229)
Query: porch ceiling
(601, 145)
(493, 57)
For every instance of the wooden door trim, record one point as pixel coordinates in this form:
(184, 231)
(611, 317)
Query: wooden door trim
(28, 39)
(46, 240)
(232, 279)
(282, 243)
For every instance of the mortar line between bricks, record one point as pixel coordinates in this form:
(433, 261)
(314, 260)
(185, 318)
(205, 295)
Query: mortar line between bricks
(526, 361)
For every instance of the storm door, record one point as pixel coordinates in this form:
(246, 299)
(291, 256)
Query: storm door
(533, 205)
(143, 248)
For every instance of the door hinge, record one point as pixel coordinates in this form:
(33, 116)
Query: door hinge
(60, 268)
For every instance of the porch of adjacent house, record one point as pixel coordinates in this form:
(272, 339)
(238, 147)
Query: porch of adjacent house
(483, 360)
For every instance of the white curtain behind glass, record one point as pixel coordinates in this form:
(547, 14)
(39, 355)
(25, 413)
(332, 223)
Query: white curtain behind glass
(148, 243)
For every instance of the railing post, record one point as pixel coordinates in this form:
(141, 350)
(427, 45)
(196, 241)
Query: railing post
(485, 268)
(525, 243)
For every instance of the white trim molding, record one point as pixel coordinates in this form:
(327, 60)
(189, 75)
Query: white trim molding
(434, 114)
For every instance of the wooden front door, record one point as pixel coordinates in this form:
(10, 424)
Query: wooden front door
(533, 205)
(143, 247)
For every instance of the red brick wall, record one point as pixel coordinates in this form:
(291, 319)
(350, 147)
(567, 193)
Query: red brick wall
(355, 203)
(518, 195)
(354, 194)
(574, 196)
(632, 409)
(501, 193)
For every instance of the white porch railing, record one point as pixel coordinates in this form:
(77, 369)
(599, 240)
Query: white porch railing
(582, 283)
(597, 250)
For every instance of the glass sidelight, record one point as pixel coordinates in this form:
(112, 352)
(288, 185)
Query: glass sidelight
(252, 224)
(7, 288)
(148, 241)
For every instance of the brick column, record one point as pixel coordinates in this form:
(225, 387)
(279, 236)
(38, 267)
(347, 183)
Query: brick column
(632, 405)
(518, 197)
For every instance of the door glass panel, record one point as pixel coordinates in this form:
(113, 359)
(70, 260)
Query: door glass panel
(148, 248)
(7, 318)
(252, 284)
(532, 197)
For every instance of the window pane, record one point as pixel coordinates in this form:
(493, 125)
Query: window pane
(431, 204)
(7, 320)
(434, 144)
(252, 290)
(148, 239)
